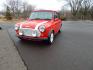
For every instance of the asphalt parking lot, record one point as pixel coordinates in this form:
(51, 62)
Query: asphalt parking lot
(71, 50)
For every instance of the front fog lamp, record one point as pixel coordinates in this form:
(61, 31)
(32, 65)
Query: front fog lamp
(16, 27)
(41, 28)
(20, 33)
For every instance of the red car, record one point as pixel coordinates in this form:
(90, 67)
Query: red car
(42, 24)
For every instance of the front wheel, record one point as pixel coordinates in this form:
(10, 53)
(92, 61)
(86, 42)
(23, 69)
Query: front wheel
(21, 39)
(60, 29)
(51, 38)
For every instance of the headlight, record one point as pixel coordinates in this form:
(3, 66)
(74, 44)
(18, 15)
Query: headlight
(41, 28)
(16, 27)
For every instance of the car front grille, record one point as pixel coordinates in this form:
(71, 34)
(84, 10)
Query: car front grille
(30, 32)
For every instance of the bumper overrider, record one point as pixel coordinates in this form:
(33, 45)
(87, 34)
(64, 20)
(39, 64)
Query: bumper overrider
(32, 38)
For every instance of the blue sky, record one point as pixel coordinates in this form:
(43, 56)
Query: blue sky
(42, 4)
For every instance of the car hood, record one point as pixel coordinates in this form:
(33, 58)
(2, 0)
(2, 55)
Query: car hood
(33, 23)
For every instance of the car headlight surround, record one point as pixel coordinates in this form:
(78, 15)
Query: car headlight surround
(42, 28)
(16, 27)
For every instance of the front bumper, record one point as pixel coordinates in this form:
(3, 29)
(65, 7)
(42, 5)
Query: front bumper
(32, 38)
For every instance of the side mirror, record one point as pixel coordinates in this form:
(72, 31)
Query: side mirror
(56, 19)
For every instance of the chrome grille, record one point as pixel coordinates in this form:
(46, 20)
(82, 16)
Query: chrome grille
(30, 32)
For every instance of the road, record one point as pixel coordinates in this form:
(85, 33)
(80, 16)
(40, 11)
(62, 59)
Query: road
(71, 50)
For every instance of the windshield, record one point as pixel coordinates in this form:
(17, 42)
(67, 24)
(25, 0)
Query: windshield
(41, 15)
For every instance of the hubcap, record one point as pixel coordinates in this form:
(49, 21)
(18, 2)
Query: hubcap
(51, 37)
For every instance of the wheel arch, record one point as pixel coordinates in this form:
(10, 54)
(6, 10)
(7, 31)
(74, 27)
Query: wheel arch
(50, 32)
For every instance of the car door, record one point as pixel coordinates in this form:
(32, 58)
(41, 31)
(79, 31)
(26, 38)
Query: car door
(57, 22)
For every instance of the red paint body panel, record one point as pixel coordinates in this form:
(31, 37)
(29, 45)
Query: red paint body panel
(52, 24)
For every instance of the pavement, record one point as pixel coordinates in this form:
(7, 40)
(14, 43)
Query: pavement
(71, 50)
(9, 56)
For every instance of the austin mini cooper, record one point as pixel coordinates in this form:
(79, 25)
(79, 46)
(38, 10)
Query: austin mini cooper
(42, 25)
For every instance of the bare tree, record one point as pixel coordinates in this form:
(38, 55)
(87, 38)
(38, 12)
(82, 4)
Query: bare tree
(84, 9)
(15, 7)
(19, 8)
(8, 14)
(27, 9)
(75, 6)
(91, 10)
(12, 5)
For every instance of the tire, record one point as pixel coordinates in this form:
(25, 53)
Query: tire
(51, 38)
(60, 29)
(22, 39)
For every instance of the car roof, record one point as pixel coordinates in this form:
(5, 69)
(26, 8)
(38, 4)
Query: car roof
(44, 11)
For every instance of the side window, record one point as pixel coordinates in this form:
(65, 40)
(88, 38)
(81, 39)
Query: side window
(56, 15)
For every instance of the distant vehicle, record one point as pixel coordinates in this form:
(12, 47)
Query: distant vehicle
(42, 25)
